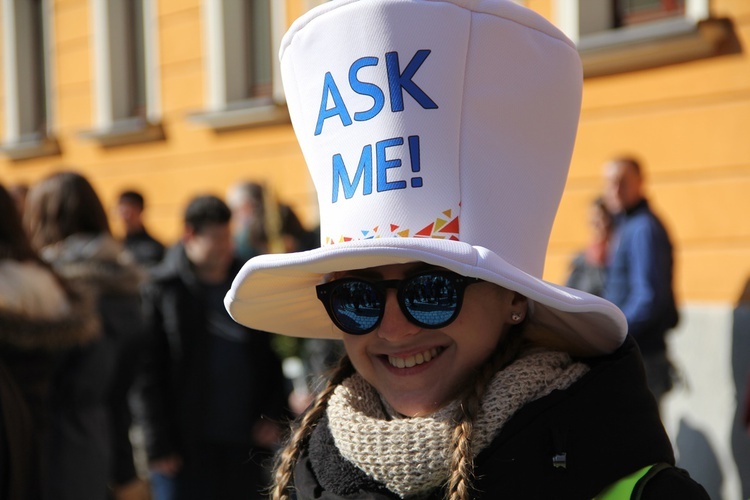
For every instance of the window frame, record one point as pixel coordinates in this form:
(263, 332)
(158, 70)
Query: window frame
(644, 45)
(221, 112)
(109, 129)
(649, 15)
(19, 144)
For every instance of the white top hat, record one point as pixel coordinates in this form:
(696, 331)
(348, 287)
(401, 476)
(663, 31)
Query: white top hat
(434, 130)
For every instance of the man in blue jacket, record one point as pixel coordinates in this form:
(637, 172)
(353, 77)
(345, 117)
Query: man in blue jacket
(639, 278)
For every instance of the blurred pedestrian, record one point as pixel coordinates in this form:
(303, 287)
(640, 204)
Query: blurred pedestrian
(261, 224)
(248, 226)
(18, 192)
(212, 391)
(640, 271)
(90, 453)
(41, 320)
(146, 249)
(589, 267)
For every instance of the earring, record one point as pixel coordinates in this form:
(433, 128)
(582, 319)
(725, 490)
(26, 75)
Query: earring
(516, 317)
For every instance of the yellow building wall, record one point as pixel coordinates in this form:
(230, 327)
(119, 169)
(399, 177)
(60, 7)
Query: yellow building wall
(192, 159)
(689, 122)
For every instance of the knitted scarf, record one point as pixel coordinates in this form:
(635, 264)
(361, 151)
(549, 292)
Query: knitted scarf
(411, 456)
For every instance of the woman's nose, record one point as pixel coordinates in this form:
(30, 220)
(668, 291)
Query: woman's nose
(394, 324)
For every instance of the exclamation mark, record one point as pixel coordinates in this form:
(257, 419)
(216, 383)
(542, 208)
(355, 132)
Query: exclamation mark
(415, 161)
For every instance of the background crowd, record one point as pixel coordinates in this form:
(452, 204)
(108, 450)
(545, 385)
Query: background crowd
(121, 374)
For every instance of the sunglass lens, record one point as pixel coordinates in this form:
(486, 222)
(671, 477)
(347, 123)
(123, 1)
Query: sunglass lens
(431, 299)
(357, 306)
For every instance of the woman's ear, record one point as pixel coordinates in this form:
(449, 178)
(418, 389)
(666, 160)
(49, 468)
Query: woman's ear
(520, 300)
(519, 308)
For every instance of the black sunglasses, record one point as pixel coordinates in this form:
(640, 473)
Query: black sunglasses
(431, 299)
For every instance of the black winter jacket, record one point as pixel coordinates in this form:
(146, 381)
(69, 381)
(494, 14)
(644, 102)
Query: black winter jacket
(90, 449)
(172, 388)
(570, 444)
(32, 350)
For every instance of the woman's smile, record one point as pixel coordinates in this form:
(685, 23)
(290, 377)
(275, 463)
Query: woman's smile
(414, 360)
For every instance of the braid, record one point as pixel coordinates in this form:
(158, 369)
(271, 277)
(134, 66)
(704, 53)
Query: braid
(301, 430)
(462, 460)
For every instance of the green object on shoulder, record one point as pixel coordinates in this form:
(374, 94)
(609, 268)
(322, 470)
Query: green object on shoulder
(631, 487)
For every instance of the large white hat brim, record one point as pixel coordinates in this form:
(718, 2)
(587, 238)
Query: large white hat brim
(276, 292)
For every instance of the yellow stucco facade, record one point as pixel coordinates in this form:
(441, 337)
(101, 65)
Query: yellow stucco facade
(689, 122)
(192, 158)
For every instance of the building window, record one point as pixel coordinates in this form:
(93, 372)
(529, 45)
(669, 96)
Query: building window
(247, 51)
(125, 72)
(583, 19)
(624, 35)
(26, 100)
(127, 60)
(630, 12)
(243, 87)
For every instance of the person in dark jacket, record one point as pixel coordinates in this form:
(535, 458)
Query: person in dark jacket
(588, 270)
(146, 249)
(640, 271)
(41, 320)
(90, 455)
(212, 391)
(438, 139)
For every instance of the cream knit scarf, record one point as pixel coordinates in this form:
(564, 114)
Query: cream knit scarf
(411, 456)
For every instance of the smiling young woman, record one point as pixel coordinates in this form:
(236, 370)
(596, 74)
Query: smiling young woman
(465, 375)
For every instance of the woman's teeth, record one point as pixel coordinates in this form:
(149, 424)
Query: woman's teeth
(415, 360)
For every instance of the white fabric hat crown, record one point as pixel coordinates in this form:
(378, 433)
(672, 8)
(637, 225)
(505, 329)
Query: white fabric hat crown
(437, 131)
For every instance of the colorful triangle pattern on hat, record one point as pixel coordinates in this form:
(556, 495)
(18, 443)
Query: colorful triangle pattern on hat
(440, 228)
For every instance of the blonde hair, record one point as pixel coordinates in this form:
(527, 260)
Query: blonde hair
(458, 486)
(301, 431)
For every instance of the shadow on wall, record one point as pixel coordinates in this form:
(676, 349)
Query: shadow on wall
(697, 456)
(741, 373)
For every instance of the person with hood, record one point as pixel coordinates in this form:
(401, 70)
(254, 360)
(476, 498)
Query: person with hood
(439, 135)
(90, 454)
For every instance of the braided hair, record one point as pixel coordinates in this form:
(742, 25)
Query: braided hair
(301, 431)
(458, 486)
